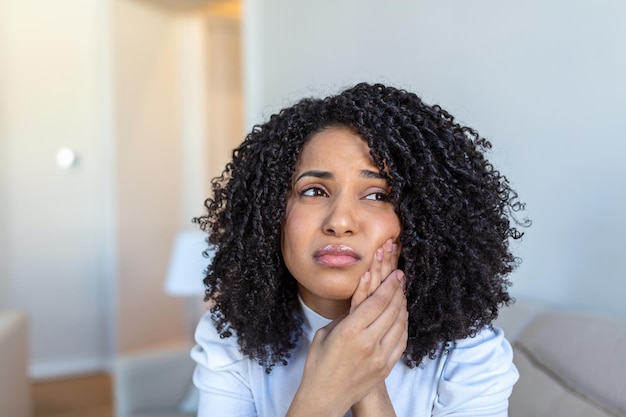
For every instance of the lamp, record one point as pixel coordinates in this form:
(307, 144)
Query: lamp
(186, 272)
(187, 264)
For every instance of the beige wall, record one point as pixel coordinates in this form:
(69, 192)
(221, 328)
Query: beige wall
(225, 87)
(178, 115)
(4, 180)
(148, 175)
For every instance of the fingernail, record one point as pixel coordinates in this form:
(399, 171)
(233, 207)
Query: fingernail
(401, 277)
(379, 254)
(388, 245)
(365, 277)
(394, 250)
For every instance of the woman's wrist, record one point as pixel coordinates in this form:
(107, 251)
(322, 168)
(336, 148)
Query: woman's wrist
(377, 403)
(308, 403)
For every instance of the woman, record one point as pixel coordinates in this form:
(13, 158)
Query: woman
(361, 255)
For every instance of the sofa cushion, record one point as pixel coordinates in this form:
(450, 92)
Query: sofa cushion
(539, 394)
(571, 364)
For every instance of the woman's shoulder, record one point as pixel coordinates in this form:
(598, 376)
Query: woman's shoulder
(214, 351)
(477, 370)
(487, 349)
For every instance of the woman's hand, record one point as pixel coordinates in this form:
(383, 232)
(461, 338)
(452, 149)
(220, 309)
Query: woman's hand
(385, 260)
(377, 401)
(350, 358)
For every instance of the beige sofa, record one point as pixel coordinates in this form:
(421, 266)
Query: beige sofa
(571, 364)
(15, 386)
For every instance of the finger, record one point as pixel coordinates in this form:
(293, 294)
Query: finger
(383, 263)
(396, 341)
(371, 309)
(376, 270)
(389, 261)
(396, 336)
(396, 306)
(361, 292)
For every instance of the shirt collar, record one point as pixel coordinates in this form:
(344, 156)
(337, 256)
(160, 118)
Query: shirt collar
(312, 321)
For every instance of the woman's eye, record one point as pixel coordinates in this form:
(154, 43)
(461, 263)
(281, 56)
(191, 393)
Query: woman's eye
(377, 196)
(313, 192)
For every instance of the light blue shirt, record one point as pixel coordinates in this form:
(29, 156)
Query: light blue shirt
(474, 377)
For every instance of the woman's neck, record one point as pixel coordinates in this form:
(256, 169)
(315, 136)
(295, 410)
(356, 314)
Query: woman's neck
(330, 309)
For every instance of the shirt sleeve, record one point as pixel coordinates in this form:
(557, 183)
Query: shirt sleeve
(477, 378)
(221, 374)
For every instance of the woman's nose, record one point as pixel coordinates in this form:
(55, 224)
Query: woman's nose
(341, 218)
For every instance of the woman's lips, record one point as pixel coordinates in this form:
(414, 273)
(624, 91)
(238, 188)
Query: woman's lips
(336, 256)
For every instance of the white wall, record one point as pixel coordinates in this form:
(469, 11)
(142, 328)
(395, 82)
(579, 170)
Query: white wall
(84, 251)
(55, 223)
(543, 80)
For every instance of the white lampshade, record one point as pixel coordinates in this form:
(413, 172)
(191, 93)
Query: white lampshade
(187, 264)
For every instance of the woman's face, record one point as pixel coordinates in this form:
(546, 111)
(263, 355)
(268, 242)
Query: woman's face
(337, 215)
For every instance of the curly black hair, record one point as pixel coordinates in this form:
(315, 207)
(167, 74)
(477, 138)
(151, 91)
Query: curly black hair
(456, 212)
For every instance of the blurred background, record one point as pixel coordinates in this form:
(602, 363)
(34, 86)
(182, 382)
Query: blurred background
(115, 114)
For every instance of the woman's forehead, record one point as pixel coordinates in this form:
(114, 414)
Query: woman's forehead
(333, 143)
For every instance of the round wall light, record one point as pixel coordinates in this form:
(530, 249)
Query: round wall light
(66, 158)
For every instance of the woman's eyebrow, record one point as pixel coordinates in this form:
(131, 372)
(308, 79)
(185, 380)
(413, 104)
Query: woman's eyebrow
(315, 174)
(366, 173)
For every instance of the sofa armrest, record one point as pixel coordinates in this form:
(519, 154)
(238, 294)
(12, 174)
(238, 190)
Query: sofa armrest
(152, 380)
(15, 385)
